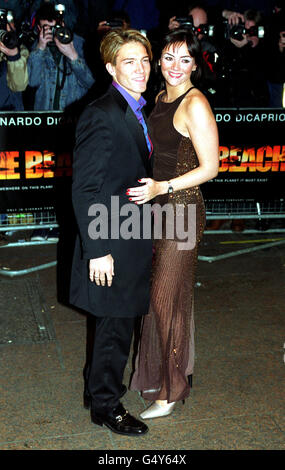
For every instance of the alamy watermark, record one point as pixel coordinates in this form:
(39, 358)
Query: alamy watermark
(154, 222)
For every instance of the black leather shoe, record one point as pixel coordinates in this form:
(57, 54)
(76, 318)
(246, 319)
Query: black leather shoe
(120, 422)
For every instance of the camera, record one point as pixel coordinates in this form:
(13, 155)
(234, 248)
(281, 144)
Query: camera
(62, 33)
(237, 31)
(8, 38)
(116, 23)
(58, 31)
(27, 34)
(187, 22)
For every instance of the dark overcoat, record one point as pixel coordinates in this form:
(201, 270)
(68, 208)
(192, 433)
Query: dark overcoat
(110, 156)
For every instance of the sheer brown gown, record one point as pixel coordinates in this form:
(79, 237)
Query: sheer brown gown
(166, 350)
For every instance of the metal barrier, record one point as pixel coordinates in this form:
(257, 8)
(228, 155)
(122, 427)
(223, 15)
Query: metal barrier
(214, 210)
(245, 210)
(27, 221)
(13, 222)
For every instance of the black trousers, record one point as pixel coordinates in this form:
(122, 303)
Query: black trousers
(111, 348)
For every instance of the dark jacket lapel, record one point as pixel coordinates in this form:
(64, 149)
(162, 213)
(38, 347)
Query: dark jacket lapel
(133, 125)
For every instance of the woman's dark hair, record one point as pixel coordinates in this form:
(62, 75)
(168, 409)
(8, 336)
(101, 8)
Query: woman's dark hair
(181, 36)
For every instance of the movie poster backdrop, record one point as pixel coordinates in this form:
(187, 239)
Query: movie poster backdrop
(36, 158)
(252, 156)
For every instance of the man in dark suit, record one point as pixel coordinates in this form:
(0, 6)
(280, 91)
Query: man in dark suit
(111, 265)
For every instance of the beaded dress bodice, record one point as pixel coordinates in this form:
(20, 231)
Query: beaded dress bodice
(174, 155)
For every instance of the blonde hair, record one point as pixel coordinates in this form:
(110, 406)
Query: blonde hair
(115, 39)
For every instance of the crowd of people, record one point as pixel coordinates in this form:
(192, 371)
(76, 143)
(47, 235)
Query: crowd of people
(49, 55)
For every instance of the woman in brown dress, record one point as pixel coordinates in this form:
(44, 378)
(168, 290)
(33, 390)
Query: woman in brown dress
(186, 150)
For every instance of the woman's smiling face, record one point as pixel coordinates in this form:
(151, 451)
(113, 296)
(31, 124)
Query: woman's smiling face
(177, 64)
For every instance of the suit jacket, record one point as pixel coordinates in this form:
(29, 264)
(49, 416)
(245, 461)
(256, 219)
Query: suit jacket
(110, 156)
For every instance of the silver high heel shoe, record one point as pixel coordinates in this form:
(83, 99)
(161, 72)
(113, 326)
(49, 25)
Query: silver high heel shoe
(156, 411)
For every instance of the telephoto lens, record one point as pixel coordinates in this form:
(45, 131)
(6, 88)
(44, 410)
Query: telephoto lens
(8, 38)
(237, 31)
(63, 34)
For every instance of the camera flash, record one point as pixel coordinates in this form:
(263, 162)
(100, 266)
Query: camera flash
(60, 7)
(260, 31)
(10, 17)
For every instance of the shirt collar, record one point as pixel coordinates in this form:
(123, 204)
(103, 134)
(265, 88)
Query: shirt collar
(134, 104)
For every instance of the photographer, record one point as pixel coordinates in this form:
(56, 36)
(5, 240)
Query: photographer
(13, 67)
(199, 18)
(242, 73)
(70, 14)
(57, 70)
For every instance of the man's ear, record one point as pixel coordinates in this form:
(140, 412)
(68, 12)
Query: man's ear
(111, 69)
